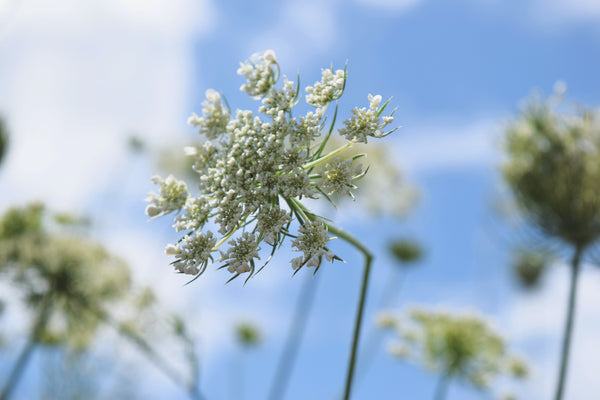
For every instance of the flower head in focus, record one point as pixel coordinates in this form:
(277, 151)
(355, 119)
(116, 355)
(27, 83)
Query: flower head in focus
(255, 168)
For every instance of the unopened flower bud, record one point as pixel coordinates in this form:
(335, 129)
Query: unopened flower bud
(171, 250)
(152, 210)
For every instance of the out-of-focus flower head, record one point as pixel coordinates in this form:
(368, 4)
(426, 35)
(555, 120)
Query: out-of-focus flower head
(553, 169)
(455, 345)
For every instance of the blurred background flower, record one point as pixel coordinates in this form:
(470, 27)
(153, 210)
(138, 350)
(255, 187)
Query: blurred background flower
(455, 346)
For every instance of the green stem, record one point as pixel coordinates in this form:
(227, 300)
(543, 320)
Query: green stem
(441, 388)
(19, 367)
(230, 234)
(361, 302)
(564, 358)
(328, 156)
(296, 205)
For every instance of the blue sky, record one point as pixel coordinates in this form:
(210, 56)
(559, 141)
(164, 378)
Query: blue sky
(78, 77)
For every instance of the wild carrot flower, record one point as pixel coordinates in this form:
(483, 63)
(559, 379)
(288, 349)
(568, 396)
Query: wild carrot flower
(255, 168)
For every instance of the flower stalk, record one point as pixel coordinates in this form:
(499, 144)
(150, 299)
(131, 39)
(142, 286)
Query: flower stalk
(568, 329)
(33, 340)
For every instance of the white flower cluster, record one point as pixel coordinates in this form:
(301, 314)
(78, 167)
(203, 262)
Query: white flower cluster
(196, 214)
(280, 100)
(240, 256)
(214, 116)
(173, 195)
(338, 175)
(329, 89)
(365, 123)
(253, 174)
(261, 73)
(193, 252)
(312, 241)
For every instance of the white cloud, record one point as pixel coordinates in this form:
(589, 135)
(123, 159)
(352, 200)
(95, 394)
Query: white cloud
(558, 11)
(443, 146)
(302, 29)
(393, 5)
(77, 77)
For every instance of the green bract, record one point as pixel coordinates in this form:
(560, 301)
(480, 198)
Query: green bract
(255, 168)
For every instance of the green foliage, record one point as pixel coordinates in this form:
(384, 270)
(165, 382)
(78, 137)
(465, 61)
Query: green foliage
(553, 168)
(453, 345)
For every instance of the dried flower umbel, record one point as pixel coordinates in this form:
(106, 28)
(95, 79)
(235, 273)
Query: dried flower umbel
(255, 168)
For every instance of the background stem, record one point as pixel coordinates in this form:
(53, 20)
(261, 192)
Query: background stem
(374, 336)
(441, 388)
(142, 345)
(294, 339)
(564, 358)
(19, 367)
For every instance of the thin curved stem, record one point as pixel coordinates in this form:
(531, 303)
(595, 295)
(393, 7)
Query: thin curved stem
(294, 339)
(297, 206)
(566, 345)
(361, 302)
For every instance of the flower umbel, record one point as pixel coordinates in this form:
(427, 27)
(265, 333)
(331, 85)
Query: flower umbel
(338, 175)
(214, 116)
(365, 123)
(329, 89)
(192, 253)
(254, 169)
(173, 195)
(311, 241)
